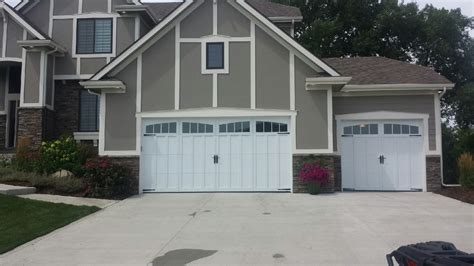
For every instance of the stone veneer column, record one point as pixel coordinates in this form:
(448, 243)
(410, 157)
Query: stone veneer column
(300, 160)
(433, 173)
(133, 164)
(3, 131)
(34, 126)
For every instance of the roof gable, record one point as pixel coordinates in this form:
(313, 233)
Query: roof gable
(242, 7)
(22, 21)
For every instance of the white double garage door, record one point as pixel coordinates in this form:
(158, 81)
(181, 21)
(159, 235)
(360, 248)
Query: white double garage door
(383, 155)
(216, 154)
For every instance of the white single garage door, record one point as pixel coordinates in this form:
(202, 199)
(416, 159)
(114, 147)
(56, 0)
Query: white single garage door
(216, 154)
(382, 155)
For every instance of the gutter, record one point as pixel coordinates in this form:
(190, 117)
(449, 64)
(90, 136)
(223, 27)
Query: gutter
(442, 165)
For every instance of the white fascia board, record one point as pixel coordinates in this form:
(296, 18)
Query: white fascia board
(396, 87)
(42, 43)
(217, 112)
(105, 86)
(124, 55)
(328, 80)
(287, 38)
(21, 21)
(21, 4)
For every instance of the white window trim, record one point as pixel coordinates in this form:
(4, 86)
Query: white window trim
(214, 39)
(74, 36)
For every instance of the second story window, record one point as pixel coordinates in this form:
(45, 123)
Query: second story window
(215, 55)
(94, 36)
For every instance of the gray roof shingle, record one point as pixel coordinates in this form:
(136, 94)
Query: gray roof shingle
(382, 70)
(265, 7)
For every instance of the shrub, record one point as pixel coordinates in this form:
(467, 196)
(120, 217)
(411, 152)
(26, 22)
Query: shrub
(26, 159)
(314, 173)
(466, 169)
(59, 154)
(107, 180)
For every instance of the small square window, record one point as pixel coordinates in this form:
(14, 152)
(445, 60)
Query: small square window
(230, 128)
(356, 130)
(397, 129)
(405, 129)
(348, 131)
(158, 128)
(149, 129)
(209, 129)
(165, 128)
(283, 128)
(259, 126)
(268, 126)
(173, 128)
(387, 129)
(194, 128)
(364, 129)
(215, 55)
(223, 128)
(238, 127)
(275, 127)
(414, 130)
(202, 128)
(186, 128)
(246, 127)
(374, 129)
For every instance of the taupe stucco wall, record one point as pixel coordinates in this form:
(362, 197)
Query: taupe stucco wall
(62, 34)
(158, 75)
(94, 6)
(120, 121)
(125, 33)
(272, 72)
(65, 7)
(312, 107)
(15, 33)
(423, 104)
(198, 23)
(39, 15)
(92, 65)
(32, 74)
(231, 22)
(234, 88)
(196, 89)
(3, 76)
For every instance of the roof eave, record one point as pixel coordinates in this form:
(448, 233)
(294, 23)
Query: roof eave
(286, 19)
(396, 87)
(48, 44)
(141, 9)
(104, 86)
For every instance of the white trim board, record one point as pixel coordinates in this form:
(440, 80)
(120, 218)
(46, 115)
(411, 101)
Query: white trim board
(216, 112)
(21, 21)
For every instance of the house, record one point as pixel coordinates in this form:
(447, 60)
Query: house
(214, 95)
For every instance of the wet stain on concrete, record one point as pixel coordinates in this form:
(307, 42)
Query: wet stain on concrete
(193, 214)
(181, 257)
(207, 211)
(278, 256)
(267, 213)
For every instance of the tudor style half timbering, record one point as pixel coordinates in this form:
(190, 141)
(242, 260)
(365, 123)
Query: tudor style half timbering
(214, 95)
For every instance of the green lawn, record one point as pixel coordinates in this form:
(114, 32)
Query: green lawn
(22, 220)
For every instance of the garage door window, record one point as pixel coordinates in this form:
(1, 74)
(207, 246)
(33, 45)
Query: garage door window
(269, 127)
(163, 128)
(197, 128)
(363, 129)
(400, 129)
(237, 127)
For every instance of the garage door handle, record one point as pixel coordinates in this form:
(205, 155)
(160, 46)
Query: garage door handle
(216, 159)
(382, 159)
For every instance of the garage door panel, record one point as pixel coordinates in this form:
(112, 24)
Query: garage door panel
(386, 155)
(148, 172)
(246, 160)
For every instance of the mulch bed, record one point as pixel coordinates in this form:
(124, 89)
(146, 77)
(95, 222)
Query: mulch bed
(459, 193)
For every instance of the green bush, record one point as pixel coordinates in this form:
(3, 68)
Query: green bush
(59, 154)
(60, 185)
(107, 180)
(466, 169)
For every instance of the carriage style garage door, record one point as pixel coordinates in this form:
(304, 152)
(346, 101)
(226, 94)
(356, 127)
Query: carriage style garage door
(216, 154)
(382, 155)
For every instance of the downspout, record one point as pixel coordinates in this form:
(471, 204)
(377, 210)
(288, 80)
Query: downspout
(441, 148)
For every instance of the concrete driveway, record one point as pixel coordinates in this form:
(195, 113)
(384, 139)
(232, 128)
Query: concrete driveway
(236, 229)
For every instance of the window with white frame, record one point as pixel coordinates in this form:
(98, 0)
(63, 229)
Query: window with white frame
(89, 112)
(94, 36)
(215, 55)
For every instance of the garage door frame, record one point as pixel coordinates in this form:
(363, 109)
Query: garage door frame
(381, 116)
(219, 113)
